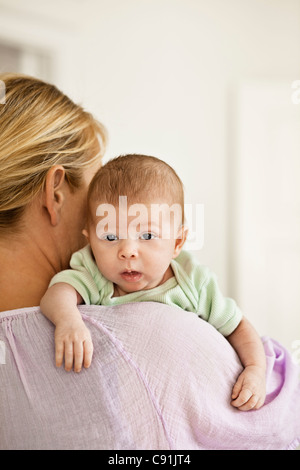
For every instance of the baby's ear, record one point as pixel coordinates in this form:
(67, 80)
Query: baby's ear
(180, 240)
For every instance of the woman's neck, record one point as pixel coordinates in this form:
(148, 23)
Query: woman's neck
(25, 272)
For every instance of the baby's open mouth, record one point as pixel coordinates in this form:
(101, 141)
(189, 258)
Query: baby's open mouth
(131, 276)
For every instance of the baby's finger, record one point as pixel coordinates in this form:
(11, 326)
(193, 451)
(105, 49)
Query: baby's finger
(59, 353)
(250, 405)
(260, 403)
(68, 356)
(237, 388)
(243, 398)
(88, 353)
(78, 356)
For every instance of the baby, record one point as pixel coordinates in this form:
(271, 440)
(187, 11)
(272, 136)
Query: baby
(134, 255)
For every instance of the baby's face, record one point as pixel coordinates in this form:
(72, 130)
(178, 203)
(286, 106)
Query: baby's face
(133, 246)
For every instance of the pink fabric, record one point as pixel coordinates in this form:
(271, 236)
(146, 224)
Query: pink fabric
(160, 379)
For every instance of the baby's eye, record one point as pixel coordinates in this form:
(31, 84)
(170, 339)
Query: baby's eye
(110, 237)
(147, 236)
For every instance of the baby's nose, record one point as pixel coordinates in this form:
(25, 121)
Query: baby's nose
(128, 250)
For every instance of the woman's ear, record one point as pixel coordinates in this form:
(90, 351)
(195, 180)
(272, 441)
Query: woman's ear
(180, 240)
(54, 193)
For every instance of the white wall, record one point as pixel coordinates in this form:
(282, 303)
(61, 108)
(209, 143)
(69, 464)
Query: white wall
(164, 75)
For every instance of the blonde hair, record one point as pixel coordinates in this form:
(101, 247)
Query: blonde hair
(139, 177)
(41, 127)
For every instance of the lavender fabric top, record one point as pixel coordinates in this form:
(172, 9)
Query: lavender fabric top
(160, 379)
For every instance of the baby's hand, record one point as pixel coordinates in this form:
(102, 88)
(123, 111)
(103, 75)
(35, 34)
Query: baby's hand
(73, 342)
(249, 392)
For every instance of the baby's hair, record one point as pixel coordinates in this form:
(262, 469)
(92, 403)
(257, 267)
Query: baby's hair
(140, 178)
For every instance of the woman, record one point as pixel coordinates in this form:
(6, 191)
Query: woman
(50, 149)
(160, 378)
